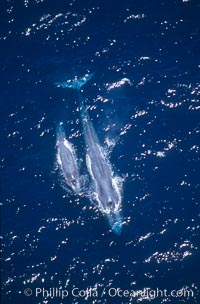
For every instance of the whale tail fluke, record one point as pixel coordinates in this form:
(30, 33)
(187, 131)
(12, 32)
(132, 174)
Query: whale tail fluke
(76, 83)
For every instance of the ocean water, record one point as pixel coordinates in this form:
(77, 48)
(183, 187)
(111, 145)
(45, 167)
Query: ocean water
(144, 104)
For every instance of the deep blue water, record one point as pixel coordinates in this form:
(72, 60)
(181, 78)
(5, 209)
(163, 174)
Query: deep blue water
(51, 239)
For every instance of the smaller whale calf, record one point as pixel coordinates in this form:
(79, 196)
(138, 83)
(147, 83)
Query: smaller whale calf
(67, 161)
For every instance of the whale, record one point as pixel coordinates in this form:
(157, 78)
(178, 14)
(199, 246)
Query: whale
(67, 161)
(105, 187)
(106, 192)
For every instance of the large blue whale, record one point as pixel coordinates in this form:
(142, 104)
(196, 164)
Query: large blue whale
(105, 189)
